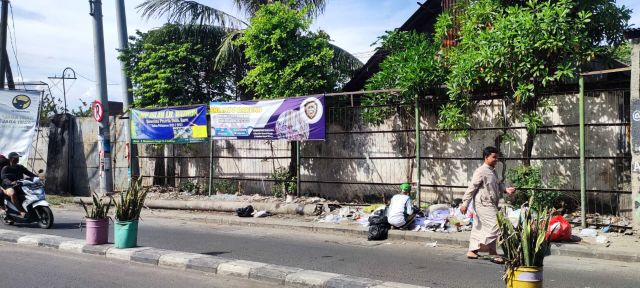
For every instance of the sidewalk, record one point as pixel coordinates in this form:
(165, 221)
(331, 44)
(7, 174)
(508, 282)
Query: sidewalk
(619, 247)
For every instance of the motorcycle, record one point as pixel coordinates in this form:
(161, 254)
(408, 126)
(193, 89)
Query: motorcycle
(34, 204)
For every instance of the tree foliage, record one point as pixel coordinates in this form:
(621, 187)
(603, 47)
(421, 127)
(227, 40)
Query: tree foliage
(166, 67)
(413, 66)
(521, 49)
(286, 58)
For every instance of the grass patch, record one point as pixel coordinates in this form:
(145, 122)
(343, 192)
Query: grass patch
(59, 199)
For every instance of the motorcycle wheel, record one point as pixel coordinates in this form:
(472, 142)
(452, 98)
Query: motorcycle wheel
(45, 220)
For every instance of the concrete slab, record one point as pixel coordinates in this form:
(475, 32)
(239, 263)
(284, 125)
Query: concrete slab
(238, 268)
(308, 278)
(275, 274)
(206, 263)
(345, 281)
(149, 256)
(177, 260)
(123, 254)
(97, 249)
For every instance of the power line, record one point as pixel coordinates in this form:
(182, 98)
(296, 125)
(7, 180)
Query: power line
(91, 80)
(14, 44)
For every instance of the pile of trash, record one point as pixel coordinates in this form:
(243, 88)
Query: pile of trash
(442, 218)
(435, 218)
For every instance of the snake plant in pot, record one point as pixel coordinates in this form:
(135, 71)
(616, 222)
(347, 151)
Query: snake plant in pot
(524, 246)
(97, 220)
(128, 209)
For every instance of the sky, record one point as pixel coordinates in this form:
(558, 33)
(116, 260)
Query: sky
(46, 37)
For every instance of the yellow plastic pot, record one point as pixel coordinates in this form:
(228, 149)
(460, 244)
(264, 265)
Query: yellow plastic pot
(524, 277)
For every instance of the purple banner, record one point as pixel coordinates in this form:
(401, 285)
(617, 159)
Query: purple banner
(293, 119)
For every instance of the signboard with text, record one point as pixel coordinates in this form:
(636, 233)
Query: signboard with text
(171, 125)
(293, 119)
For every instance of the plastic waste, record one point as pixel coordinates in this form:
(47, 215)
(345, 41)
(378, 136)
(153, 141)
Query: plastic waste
(588, 232)
(601, 239)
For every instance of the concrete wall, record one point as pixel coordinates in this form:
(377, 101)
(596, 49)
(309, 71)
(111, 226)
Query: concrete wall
(321, 160)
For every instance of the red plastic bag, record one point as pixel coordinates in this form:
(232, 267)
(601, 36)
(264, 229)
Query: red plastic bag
(559, 229)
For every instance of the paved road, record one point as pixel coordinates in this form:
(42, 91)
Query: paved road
(23, 267)
(391, 261)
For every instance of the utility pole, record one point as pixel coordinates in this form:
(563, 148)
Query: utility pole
(127, 96)
(3, 42)
(106, 181)
(64, 88)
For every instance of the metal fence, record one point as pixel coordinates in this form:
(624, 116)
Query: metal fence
(366, 163)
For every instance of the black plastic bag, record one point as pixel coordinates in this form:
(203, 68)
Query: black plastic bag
(378, 228)
(245, 212)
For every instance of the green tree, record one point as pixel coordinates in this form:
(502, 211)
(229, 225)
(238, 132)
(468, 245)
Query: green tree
(167, 68)
(521, 49)
(414, 67)
(192, 12)
(286, 58)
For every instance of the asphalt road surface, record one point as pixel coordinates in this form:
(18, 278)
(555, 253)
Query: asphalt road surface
(47, 268)
(413, 263)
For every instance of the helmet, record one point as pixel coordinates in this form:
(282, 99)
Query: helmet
(13, 155)
(405, 187)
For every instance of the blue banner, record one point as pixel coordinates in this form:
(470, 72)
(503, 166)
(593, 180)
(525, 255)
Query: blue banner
(171, 125)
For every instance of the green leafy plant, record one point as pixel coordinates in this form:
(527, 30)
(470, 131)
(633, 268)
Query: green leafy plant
(521, 50)
(131, 202)
(525, 244)
(284, 182)
(528, 179)
(99, 209)
(190, 187)
(225, 186)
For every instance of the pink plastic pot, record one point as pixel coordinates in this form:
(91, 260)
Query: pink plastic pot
(97, 231)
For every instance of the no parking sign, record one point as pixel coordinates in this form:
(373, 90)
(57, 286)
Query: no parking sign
(98, 110)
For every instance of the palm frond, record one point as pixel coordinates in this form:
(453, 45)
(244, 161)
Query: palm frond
(229, 51)
(188, 12)
(315, 7)
(342, 58)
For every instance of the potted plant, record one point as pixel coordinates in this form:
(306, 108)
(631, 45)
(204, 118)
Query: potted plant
(127, 214)
(97, 221)
(524, 246)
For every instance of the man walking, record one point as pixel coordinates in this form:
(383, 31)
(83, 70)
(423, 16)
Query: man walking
(485, 191)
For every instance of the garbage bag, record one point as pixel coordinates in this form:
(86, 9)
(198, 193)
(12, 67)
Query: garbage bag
(559, 229)
(378, 228)
(245, 212)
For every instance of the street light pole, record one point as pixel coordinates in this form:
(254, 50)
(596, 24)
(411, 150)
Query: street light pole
(106, 181)
(127, 97)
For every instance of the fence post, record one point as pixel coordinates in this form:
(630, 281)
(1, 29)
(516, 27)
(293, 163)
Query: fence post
(583, 178)
(418, 168)
(211, 167)
(298, 168)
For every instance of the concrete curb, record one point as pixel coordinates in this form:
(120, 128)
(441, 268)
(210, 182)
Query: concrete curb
(263, 272)
(223, 206)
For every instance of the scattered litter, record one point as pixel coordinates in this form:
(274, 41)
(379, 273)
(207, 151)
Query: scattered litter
(245, 212)
(606, 229)
(261, 213)
(588, 232)
(369, 209)
(601, 239)
(432, 244)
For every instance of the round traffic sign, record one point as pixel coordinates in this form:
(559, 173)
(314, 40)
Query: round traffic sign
(98, 110)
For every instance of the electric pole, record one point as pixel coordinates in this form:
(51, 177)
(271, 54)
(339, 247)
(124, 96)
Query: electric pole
(127, 96)
(3, 42)
(106, 181)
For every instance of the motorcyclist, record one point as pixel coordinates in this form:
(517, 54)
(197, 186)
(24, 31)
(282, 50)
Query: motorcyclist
(10, 175)
(3, 162)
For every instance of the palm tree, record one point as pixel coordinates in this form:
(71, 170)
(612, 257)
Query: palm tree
(199, 15)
